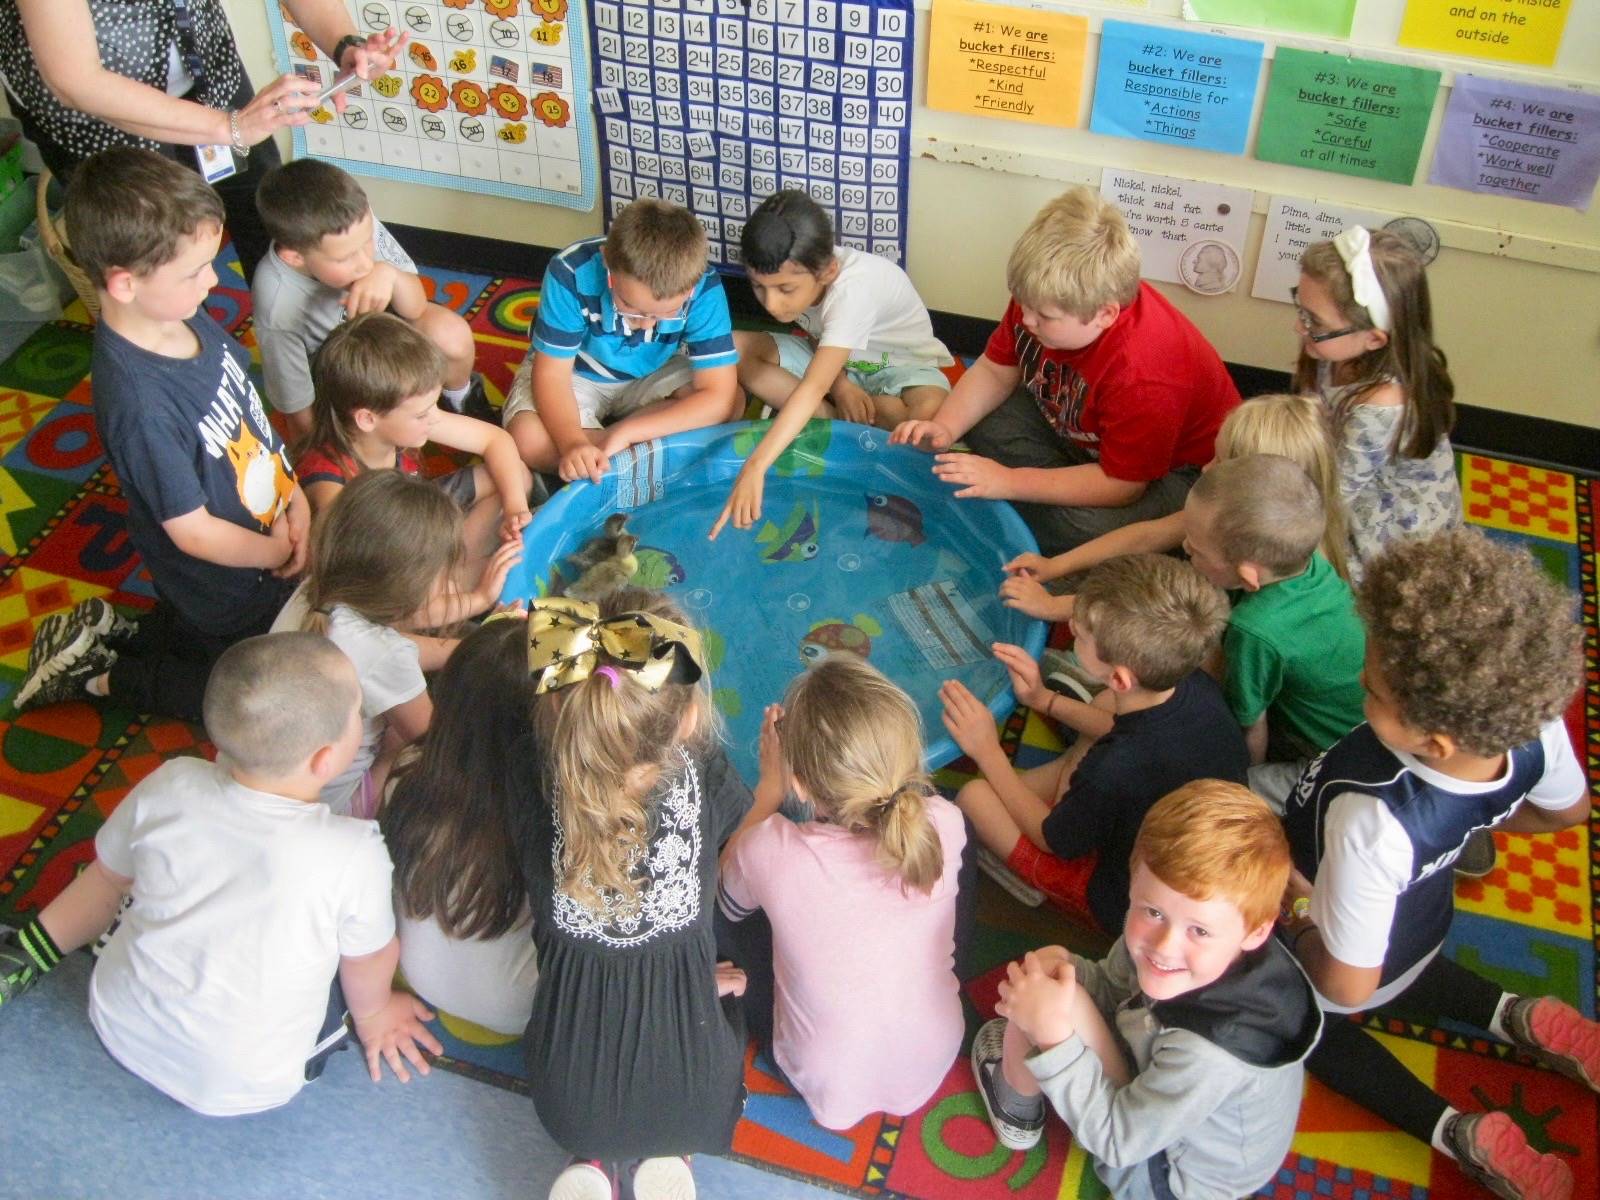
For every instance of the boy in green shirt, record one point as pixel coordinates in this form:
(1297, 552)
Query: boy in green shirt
(1294, 645)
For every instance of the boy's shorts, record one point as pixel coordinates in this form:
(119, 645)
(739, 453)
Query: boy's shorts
(879, 379)
(1064, 881)
(600, 402)
(461, 485)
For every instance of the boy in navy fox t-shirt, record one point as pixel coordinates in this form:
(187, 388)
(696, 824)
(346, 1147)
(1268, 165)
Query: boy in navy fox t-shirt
(1472, 655)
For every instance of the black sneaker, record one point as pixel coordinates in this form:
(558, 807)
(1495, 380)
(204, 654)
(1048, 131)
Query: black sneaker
(476, 402)
(1012, 1132)
(62, 676)
(1477, 857)
(20, 966)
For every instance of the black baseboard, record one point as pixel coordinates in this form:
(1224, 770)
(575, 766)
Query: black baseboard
(1513, 435)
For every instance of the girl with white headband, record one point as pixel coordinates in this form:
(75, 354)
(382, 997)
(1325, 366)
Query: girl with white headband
(1366, 348)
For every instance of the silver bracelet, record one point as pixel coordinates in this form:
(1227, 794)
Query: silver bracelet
(236, 135)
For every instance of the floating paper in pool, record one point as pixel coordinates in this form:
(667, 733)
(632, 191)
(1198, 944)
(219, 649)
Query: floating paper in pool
(941, 622)
(909, 584)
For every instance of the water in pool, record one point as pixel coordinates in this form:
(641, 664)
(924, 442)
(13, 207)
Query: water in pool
(859, 550)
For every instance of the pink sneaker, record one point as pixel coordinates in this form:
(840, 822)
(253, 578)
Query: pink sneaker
(585, 1180)
(1491, 1151)
(663, 1179)
(1558, 1035)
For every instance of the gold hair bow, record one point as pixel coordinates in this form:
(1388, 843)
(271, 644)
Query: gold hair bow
(568, 642)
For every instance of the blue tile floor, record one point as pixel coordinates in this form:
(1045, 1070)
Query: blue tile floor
(76, 1124)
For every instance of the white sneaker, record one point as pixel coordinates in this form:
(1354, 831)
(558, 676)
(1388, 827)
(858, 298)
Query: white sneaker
(663, 1179)
(987, 1050)
(585, 1179)
(992, 865)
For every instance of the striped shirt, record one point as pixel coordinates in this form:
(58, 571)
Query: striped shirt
(578, 319)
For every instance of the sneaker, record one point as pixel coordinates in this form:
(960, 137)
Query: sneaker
(18, 971)
(1558, 1035)
(1492, 1151)
(1477, 857)
(585, 1179)
(663, 1179)
(1064, 670)
(476, 402)
(61, 675)
(987, 1049)
(992, 865)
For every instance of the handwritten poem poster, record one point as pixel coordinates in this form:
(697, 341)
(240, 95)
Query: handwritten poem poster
(1521, 31)
(1330, 18)
(993, 61)
(1189, 232)
(1353, 116)
(1176, 87)
(1515, 139)
(1292, 225)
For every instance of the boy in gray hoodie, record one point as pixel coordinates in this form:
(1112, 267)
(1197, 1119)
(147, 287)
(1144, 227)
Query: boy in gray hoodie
(1177, 1059)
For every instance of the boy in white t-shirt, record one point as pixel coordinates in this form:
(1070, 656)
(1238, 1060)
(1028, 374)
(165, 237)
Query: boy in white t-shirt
(246, 897)
(868, 353)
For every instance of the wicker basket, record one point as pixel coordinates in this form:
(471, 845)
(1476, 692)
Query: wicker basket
(54, 240)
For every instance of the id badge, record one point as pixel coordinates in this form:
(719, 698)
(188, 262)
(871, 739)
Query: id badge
(215, 162)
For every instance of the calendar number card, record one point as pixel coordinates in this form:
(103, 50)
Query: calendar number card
(716, 104)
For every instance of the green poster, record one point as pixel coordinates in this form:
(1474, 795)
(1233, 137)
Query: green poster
(1349, 115)
(1331, 18)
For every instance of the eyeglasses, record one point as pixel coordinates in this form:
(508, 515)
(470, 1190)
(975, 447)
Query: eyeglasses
(634, 318)
(1309, 322)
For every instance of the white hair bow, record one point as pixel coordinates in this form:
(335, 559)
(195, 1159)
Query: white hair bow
(1355, 251)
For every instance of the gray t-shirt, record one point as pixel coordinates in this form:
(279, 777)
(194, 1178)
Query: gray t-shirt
(294, 314)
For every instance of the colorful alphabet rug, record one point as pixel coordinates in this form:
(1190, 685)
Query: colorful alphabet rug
(1531, 924)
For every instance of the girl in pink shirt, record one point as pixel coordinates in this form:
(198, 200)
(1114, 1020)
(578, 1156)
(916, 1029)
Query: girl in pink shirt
(861, 898)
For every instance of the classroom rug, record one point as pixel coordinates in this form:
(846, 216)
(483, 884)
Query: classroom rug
(1531, 924)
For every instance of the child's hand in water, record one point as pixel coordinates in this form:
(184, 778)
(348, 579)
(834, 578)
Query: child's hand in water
(969, 721)
(977, 477)
(1026, 682)
(493, 580)
(925, 435)
(1027, 595)
(730, 980)
(1036, 565)
(744, 502)
(1036, 996)
(395, 1032)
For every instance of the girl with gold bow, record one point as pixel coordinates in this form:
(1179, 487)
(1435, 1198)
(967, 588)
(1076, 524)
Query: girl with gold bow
(633, 1061)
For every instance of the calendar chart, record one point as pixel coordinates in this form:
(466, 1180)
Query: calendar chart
(716, 104)
(488, 96)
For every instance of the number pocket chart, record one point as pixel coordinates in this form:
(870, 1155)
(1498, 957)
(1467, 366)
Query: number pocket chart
(716, 104)
(487, 96)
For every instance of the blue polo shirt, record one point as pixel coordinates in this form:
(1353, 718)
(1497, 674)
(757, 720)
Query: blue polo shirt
(578, 320)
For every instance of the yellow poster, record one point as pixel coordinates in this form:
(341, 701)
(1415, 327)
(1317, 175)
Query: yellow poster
(1017, 63)
(1519, 31)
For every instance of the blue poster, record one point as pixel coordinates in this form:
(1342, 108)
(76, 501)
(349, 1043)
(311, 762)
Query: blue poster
(1175, 87)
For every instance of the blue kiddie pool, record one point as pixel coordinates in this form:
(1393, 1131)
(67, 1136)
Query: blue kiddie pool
(860, 550)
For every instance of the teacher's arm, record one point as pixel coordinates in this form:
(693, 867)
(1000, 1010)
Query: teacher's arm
(61, 36)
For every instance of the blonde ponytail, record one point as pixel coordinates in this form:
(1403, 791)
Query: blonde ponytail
(854, 743)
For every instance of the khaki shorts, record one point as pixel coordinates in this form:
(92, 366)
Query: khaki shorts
(598, 401)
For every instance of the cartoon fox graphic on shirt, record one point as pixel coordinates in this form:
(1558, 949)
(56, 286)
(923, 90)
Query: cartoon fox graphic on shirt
(264, 487)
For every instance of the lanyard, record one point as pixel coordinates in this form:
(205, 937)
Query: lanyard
(188, 46)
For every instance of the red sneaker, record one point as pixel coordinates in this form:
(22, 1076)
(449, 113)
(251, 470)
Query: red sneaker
(1491, 1151)
(1558, 1035)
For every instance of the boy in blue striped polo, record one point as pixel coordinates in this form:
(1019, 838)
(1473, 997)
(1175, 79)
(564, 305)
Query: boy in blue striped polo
(632, 342)
(1472, 657)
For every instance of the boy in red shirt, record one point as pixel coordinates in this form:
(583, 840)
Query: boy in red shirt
(1096, 402)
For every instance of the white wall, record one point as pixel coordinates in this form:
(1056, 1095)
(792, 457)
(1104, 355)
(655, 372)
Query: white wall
(1522, 333)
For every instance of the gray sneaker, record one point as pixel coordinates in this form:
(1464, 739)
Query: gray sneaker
(987, 1050)
(1493, 1152)
(1477, 857)
(992, 865)
(1064, 672)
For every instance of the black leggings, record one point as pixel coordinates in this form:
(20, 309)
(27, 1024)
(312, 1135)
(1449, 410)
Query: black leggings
(1354, 1063)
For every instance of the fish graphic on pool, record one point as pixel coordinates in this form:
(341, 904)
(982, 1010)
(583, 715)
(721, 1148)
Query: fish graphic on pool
(658, 568)
(894, 518)
(796, 539)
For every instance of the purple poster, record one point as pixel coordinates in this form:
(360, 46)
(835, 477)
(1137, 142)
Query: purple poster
(1514, 139)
